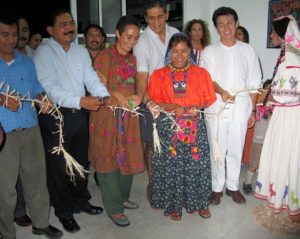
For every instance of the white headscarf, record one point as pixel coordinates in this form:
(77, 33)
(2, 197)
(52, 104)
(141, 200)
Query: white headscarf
(286, 85)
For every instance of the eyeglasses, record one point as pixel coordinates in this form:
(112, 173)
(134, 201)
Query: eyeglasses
(156, 18)
(65, 24)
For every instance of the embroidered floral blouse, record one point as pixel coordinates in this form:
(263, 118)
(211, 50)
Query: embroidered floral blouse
(122, 74)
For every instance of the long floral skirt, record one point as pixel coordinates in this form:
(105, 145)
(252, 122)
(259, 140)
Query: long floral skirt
(181, 174)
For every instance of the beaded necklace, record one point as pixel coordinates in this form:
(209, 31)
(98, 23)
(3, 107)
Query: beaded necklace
(179, 87)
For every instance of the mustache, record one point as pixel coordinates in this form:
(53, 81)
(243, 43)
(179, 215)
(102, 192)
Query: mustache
(69, 32)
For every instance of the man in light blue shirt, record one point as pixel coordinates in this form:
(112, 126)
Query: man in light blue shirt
(64, 69)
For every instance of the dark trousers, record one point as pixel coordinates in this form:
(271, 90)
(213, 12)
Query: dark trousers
(67, 197)
(20, 210)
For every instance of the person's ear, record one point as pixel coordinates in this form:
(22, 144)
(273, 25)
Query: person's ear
(237, 25)
(145, 17)
(167, 16)
(50, 30)
(117, 34)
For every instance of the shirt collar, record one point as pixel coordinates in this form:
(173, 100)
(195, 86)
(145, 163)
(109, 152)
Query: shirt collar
(155, 34)
(53, 42)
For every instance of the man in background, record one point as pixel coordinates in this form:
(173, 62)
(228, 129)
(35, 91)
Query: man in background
(150, 54)
(21, 217)
(95, 39)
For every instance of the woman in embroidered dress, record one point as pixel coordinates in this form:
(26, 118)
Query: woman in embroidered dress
(181, 175)
(279, 170)
(198, 32)
(115, 148)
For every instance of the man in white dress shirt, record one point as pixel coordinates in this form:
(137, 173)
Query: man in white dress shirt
(150, 54)
(233, 66)
(64, 68)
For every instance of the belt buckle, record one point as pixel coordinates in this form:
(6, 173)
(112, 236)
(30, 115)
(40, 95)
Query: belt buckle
(73, 111)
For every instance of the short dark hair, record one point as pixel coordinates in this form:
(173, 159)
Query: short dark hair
(55, 13)
(221, 11)
(8, 17)
(125, 21)
(152, 3)
(94, 26)
(245, 32)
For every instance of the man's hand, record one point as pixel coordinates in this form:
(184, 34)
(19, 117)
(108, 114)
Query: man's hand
(90, 103)
(45, 104)
(252, 120)
(226, 97)
(11, 102)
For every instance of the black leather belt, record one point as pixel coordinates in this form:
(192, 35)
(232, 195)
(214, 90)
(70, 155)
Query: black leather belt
(69, 110)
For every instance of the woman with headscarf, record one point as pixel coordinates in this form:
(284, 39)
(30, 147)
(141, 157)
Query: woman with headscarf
(181, 175)
(279, 171)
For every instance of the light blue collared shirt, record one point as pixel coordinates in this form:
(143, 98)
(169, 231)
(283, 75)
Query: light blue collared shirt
(63, 74)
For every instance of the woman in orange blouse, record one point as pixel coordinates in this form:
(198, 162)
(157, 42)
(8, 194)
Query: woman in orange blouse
(181, 172)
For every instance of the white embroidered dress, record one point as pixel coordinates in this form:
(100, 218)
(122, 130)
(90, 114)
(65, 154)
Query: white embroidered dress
(279, 170)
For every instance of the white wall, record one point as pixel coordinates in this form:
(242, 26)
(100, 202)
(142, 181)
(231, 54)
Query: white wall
(252, 15)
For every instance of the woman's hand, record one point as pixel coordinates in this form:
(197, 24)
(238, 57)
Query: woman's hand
(135, 99)
(179, 111)
(153, 108)
(123, 101)
(194, 111)
(111, 101)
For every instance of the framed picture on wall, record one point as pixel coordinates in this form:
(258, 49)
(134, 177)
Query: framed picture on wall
(279, 8)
